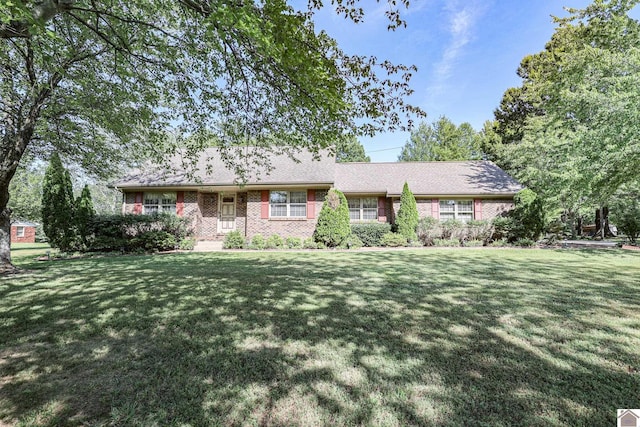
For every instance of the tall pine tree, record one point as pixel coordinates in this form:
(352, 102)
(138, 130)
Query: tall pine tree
(407, 220)
(84, 214)
(57, 206)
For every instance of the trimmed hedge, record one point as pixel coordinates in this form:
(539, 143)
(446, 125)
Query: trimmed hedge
(371, 233)
(138, 233)
(393, 240)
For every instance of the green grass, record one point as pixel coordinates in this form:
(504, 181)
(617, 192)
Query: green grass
(422, 337)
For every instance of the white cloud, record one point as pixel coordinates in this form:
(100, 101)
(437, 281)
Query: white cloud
(461, 21)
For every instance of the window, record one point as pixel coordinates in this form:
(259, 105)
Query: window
(462, 210)
(159, 202)
(19, 231)
(363, 209)
(283, 204)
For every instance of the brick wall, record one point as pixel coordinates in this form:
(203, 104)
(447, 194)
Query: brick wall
(129, 202)
(191, 210)
(494, 208)
(286, 227)
(490, 208)
(208, 203)
(29, 235)
(423, 205)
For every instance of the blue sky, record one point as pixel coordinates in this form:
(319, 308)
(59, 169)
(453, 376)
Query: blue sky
(466, 51)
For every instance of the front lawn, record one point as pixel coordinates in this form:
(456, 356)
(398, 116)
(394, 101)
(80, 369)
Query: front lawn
(423, 337)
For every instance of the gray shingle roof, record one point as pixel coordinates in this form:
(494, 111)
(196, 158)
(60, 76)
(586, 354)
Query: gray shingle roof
(425, 178)
(212, 170)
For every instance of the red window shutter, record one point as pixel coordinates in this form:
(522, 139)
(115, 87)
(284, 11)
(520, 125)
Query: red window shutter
(137, 206)
(477, 209)
(311, 204)
(382, 209)
(435, 208)
(264, 204)
(180, 203)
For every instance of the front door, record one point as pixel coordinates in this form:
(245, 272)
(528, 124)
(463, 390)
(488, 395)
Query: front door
(227, 213)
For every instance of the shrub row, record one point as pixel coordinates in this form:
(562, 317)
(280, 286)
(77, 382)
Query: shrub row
(139, 233)
(432, 232)
(235, 240)
(371, 233)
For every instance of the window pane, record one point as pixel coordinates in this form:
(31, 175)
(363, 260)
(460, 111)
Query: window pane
(370, 213)
(465, 206)
(299, 210)
(354, 214)
(370, 202)
(465, 216)
(446, 215)
(171, 197)
(279, 210)
(447, 206)
(278, 197)
(353, 203)
(298, 197)
(20, 231)
(150, 209)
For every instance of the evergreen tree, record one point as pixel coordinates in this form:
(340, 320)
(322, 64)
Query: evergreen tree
(57, 205)
(84, 214)
(407, 220)
(333, 225)
(351, 150)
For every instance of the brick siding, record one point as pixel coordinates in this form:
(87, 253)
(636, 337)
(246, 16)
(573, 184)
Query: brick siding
(423, 205)
(208, 203)
(29, 234)
(203, 209)
(493, 208)
(286, 227)
(129, 203)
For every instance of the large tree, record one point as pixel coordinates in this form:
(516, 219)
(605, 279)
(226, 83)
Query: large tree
(441, 140)
(581, 141)
(351, 150)
(101, 82)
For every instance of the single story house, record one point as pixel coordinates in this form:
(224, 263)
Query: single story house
(23, 232)
(287, 200)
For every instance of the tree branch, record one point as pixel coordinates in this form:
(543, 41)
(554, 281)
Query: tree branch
(41, 12)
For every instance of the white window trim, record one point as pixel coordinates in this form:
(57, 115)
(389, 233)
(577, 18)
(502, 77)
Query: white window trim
(161, 206)
(20, 230)
(288, 204)
(361, 209)
(456, 212)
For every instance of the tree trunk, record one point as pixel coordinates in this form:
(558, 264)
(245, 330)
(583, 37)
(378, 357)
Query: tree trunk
(598, 223)
(13, 149)
(579, 231)
(602, 223)
(5, 228)
(605, 222)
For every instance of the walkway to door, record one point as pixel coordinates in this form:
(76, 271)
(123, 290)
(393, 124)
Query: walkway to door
(208, 246)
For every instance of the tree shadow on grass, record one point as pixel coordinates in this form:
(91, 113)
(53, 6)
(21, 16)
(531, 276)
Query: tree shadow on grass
(407, 338)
